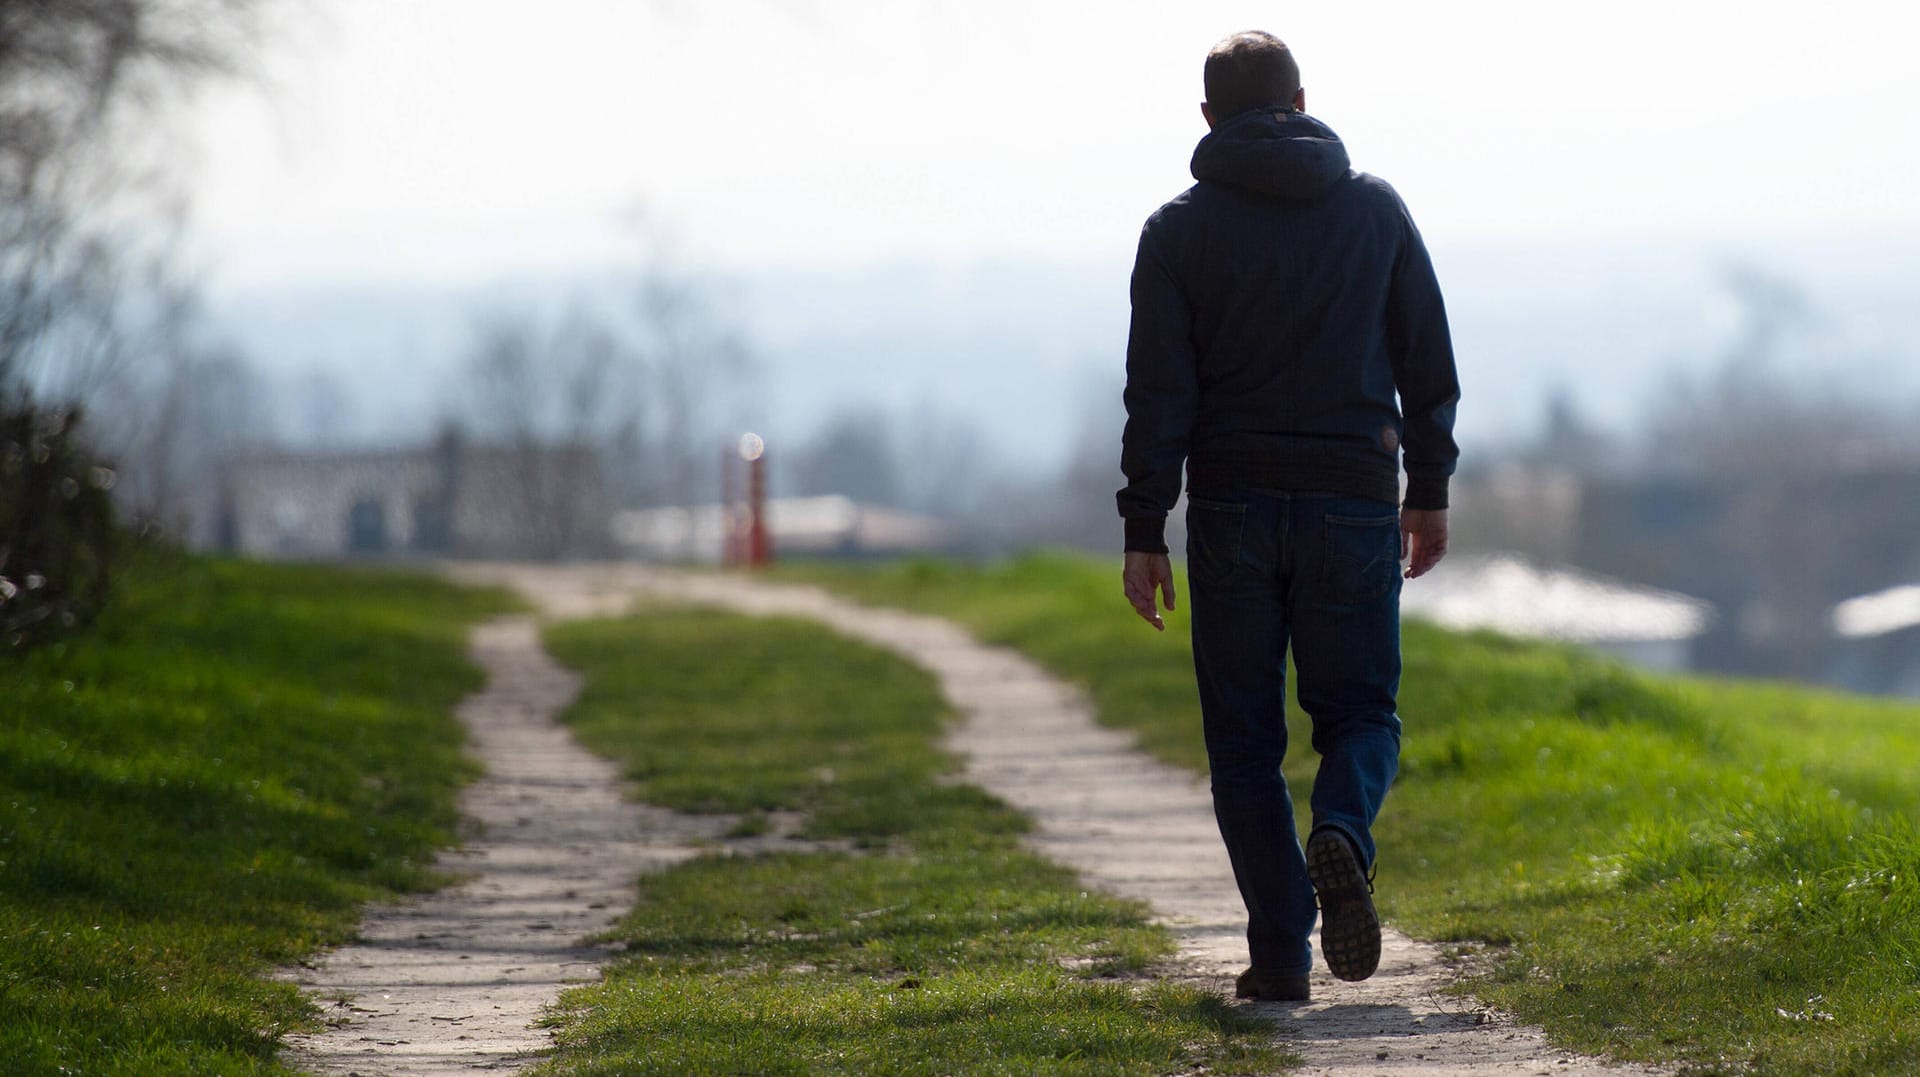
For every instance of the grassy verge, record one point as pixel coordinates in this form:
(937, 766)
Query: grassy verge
(1723, 875)
(209, 782)
(920, 940)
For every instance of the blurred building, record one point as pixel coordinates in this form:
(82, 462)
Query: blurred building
(826, 526)
(1772, 549)
(1649, 627)
(1774, 552)
(450, 499)
(1878, 648)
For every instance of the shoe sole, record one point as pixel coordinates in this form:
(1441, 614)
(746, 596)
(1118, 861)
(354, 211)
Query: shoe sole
(1349, 927)
(1276, 989)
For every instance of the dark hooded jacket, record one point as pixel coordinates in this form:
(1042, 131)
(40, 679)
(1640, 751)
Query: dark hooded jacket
(1287, 334)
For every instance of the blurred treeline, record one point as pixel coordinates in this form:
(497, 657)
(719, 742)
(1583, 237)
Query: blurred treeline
(1782, 483)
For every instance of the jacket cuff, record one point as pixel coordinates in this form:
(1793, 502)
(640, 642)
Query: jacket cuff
(1426, 492)
(1146, 534)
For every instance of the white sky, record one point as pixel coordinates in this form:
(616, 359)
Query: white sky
(462, 139)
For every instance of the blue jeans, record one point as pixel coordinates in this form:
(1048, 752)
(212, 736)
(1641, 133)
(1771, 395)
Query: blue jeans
(1321, 572)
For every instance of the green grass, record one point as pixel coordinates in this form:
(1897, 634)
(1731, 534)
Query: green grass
(919, 939)
(1724, 875)
(209, 782)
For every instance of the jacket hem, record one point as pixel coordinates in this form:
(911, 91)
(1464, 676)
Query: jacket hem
(1354, 479)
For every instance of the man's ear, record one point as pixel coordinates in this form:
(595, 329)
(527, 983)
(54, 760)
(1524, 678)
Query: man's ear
(1206, 111)
(1300, 99)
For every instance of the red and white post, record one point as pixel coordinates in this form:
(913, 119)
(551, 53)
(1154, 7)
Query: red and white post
(759, 541)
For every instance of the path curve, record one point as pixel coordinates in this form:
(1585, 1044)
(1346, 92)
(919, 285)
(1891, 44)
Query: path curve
(450, 983)
(1139, 828)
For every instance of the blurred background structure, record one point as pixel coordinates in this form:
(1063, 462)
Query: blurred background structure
(470, 278)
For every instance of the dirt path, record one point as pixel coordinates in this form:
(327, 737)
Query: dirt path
(450, 983)
(1139, 828)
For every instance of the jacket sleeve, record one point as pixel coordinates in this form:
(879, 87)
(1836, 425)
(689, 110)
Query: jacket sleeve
(1423, 372)
(1162, 397)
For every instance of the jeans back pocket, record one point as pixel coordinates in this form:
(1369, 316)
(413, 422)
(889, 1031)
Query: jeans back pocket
(1216, 531)
(1362, 557)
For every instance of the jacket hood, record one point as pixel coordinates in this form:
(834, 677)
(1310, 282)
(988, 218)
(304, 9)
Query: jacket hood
(1274, 152)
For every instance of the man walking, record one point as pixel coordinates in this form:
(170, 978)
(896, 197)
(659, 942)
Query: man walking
(1289, 346)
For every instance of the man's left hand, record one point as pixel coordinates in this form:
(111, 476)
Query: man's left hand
(1142, 574)
(1423, 539)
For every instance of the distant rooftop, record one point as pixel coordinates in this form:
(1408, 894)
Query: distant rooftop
(1879, 613)
(1510, 595)
(829, 524)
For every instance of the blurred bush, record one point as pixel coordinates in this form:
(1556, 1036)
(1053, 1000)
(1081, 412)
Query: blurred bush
(57, 534)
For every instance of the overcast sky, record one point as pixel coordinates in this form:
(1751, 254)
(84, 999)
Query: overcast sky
(464, 139)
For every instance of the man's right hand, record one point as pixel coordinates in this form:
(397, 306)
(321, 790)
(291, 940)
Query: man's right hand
(1423, 539)
(1142, 574)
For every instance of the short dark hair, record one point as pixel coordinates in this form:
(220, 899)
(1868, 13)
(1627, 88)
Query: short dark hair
(1251, 69)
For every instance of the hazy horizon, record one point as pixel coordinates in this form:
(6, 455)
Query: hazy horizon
(912, 206)
(1605, 327)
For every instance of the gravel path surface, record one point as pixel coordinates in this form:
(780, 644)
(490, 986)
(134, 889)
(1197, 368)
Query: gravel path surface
(1126, 822)
(452, 982)
(1138, 827)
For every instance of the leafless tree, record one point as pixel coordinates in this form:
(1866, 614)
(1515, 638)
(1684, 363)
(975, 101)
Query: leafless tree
(546, 397)
(851, 455)
(1077, 509)
(321, 407)
(651, 381)
(1771, 491)
(172, 417)
(78, 80)
(1755, 414)
(93, 311)
(943, 463)
(502, 378)
(696, 367)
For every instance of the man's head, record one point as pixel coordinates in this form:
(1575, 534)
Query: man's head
(1252, 69)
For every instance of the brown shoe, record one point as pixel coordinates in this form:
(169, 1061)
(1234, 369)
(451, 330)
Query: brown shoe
(1272, 986)
(1349, 928)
